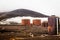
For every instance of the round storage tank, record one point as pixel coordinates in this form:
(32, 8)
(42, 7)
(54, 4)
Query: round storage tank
(52, 25)
(36, 22)
(25, 22)
(45, 24)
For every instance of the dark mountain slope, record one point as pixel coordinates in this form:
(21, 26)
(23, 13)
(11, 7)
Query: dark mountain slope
(21, 12)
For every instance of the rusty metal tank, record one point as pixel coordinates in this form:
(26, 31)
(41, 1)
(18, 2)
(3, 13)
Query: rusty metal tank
(52, 28)
(25, 22)
(44, 24)
(36, 22)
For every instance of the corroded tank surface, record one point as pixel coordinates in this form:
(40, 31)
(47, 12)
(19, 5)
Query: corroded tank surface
(36, 22)
(45, 24)
(25, 22)
(52, 25)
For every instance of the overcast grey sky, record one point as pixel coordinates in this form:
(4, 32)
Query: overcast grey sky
(48, 7)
